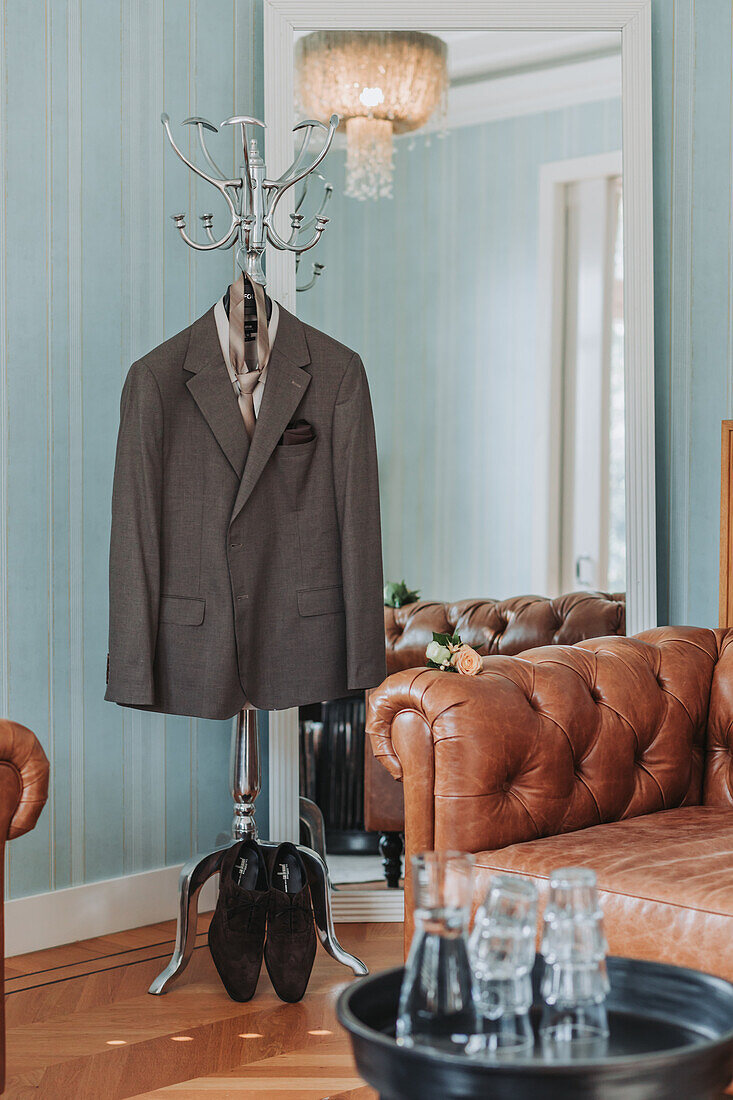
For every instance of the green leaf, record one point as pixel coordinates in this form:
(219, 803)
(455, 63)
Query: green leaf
(397, 594)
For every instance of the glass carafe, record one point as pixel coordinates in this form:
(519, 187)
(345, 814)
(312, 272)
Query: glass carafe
(436, 1003)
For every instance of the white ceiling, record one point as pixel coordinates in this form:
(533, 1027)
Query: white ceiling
(479, 53)
(474, 53)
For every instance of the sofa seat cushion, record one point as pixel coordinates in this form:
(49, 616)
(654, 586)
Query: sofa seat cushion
(665, 882)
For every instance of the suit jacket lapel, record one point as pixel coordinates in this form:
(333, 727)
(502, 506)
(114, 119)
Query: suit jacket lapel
(213, 392)
(285, 387)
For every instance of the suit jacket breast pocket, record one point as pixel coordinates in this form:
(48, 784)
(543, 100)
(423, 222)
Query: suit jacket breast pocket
(292, 464)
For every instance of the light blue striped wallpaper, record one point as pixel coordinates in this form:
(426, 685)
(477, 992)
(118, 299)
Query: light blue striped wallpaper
(437, 290)
(692, 57)
(93, 274)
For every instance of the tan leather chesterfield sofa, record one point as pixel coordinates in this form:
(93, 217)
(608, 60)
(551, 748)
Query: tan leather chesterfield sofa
(490, 626)
(23, 794)
(614, 753)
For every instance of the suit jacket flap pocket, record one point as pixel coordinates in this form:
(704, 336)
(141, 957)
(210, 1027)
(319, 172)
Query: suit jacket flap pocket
(182, 610)
(321, 601)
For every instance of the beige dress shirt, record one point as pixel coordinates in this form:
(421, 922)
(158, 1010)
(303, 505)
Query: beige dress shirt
(222, 326)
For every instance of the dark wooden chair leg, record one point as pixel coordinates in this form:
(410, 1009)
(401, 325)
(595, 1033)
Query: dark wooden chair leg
(391, 847)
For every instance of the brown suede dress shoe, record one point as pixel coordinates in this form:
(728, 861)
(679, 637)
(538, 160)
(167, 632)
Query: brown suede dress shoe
(291, 935)
(237, 929)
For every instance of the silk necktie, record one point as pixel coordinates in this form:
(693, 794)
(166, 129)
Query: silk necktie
(248, 357)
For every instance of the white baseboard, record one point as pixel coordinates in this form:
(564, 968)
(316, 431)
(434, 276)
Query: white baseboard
(100, 908)
(96, 909)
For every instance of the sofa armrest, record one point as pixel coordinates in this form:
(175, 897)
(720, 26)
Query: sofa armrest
(27, 787)
(558, 739)
(459, 751)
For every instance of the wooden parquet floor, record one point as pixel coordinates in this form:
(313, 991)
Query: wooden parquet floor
(82, 1026)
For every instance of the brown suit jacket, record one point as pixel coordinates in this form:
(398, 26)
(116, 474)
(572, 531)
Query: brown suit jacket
(244, 571)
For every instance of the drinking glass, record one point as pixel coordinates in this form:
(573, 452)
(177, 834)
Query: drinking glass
(502, 952)
(436, 1002)
(575, 982)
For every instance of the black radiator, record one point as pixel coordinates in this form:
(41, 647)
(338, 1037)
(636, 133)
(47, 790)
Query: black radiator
(332, 771)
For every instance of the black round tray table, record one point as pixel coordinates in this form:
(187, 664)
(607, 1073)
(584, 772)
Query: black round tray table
(671, 1039)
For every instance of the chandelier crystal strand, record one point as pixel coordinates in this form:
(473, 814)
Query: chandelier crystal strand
(380, 83)
(369, 149)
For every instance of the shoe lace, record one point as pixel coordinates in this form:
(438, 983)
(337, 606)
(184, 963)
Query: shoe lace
(290, 914)
(242, 913)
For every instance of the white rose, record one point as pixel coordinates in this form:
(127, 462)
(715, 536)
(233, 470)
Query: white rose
(438, 653)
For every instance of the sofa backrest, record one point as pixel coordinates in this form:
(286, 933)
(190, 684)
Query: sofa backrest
(623, 725)
(718, 778)
(501, 626)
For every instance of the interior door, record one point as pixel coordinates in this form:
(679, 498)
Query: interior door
(592, 455)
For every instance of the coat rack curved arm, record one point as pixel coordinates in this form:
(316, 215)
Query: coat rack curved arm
(277, 242)
(316, 271)
(224, 242)
(202, 124)
(220, 184)
(289, 179)
(308, 126)
(294, 174)
(306, 183)
(244, 121)
(327, 195)
(207, 220)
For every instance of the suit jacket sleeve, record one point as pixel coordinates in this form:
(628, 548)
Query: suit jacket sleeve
(134, 565)
(357, 501)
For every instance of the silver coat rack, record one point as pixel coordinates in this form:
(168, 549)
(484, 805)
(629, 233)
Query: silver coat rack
(252, 200)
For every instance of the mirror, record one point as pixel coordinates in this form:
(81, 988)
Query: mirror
(475, 262)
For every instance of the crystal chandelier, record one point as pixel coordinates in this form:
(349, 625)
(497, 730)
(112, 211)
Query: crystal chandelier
(380, 83)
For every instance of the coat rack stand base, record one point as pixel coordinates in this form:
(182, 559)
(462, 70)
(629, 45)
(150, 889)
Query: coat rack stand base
(246, 782)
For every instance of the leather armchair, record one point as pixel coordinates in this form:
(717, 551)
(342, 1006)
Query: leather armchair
(615, 753)
(490, 626)
(23, 793)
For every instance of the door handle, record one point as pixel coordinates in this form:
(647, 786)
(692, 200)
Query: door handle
(579, 571)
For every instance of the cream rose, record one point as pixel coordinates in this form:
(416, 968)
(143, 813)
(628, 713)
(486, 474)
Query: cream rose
(466, 661)
(438, 653)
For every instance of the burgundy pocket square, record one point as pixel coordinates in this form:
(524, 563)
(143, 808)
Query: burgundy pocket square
(299, 432)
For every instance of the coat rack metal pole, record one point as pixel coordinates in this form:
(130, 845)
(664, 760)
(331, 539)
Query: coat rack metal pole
(251, 200)
(245, 780)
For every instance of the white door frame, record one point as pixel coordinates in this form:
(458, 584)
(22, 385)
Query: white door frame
(633, 19)
(550, 272)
